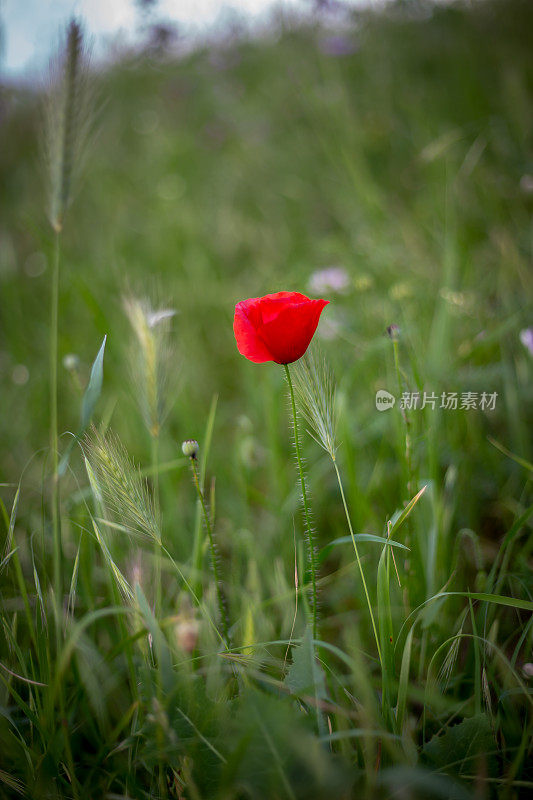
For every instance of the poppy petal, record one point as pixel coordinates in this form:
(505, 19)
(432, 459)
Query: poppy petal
(289, 332)
(277, 327)
(245, 328)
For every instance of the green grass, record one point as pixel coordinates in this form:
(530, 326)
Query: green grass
(233, 172)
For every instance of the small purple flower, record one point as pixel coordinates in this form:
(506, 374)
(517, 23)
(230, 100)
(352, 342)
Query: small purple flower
(526, 337)
(337, 46)
(330, 279)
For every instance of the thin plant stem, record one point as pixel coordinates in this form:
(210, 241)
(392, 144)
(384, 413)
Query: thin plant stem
(197, 554)
(157, 544)
(193, 594)
(407, 421)
(308, 526)
(348, 519)
(68, 748)
(56, 513)
(54, 325)
(408, 467)
(209, 528)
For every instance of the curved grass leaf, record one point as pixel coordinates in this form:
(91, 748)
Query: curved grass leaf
(88, 403)
(359, 537)
(400, 516)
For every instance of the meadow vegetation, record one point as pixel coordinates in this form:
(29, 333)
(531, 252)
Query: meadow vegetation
(156, 631)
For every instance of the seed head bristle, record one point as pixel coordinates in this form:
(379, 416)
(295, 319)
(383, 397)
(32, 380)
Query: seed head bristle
(69, 114)
(124, 491)
(448, 664)
(315, 391)
(151, 359)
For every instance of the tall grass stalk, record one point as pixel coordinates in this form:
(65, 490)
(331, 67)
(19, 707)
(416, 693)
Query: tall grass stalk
(394, 332)
(157, 543)
(198, 541)
(214, 560)
(152, 358)
(68, 118)
(53, 356)
(316, 392)
(307, 516)
(359, 564)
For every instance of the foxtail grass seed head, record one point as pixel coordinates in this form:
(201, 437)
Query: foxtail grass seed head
(190, 448)
(69, 116)
(124, 491)
(315, 390)
(152, 359)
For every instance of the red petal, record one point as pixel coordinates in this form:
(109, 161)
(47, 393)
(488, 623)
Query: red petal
(245, 326)
(277, 327)
(289, 332)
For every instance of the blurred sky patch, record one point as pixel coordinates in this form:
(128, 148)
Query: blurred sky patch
(30, 27)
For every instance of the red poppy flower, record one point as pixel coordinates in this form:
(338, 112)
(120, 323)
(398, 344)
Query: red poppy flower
(277, 327)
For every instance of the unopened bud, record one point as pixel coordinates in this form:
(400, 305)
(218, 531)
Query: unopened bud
(394, 332)
(189, 448)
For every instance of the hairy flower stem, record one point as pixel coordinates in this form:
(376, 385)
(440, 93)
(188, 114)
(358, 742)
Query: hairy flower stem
(308, 526)
(357, 557)
(56, 518)
(209, 528)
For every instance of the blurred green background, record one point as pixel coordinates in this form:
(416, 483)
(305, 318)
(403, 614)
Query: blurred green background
(399, 150)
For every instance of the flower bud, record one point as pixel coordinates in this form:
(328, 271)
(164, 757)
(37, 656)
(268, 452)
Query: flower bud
(394, 332)
(189, 448)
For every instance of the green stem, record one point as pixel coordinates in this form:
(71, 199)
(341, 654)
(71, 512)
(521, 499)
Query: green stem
(358, 559)
(409, 475)
(56, 518)
(407, 421)
(68, 748)
(197, 552)
(209, 527)
(157, 545)
(56, 513)
(308, 526)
